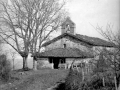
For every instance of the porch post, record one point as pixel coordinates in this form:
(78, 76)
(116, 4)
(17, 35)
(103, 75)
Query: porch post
(52, 65)
(35, 67)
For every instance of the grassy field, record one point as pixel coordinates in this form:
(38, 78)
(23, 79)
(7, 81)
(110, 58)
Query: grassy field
(34, 80)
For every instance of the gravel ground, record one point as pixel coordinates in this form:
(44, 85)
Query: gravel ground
(36, 80)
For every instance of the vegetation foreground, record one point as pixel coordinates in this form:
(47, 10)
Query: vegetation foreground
(34, 80)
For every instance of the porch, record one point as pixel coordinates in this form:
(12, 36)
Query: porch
(58, 57)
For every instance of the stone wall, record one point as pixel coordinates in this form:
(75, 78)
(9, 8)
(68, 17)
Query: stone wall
(70, 43)
(73, 43)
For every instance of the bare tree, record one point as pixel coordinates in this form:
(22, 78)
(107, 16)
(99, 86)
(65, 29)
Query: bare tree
(49, 15)
(115, 59)
(13, 54)
(14, 28)
(26, 24)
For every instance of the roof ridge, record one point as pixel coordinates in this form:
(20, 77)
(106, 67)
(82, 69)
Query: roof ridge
(86, 39)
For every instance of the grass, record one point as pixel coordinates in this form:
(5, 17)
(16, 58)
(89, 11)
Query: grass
(34, 80)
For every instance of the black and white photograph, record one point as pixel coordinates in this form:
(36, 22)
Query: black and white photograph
(59, 44)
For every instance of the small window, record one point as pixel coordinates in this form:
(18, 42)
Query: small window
(64, 45)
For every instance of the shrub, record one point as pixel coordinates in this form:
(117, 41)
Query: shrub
(73, 80)
(5, 68)
(94, 82)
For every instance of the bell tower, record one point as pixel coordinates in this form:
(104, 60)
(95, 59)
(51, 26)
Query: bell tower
(68, 26)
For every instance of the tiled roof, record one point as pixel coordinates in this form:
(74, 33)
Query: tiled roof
(95, 41)
(86, 39)
(64, 52)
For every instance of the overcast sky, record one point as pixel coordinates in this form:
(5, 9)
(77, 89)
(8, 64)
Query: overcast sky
(101, 12)
(86, 12)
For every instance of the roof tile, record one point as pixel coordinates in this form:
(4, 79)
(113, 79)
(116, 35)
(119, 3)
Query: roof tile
(65, 52)
(89, 40)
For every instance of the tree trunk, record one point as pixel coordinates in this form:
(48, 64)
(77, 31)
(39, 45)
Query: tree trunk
(103, 82)
(25, 63)
(115, 83)
(71, 67)
(13, 65)
(118, 79)
(119, 87)
(34, 64)
(83, 77)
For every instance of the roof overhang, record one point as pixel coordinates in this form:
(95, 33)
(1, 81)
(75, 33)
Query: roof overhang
(64, 53)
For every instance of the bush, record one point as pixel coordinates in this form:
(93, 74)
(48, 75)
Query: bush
(95, 83)
(73, 80)
(5, 68)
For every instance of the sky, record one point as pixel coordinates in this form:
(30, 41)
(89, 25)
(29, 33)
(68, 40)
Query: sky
(85, 13)
(88, 13)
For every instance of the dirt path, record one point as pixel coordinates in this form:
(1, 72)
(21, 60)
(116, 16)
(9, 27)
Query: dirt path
(40, 80)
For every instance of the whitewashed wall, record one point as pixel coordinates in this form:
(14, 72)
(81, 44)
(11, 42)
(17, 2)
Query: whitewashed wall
(77, 60)
(44, 63)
